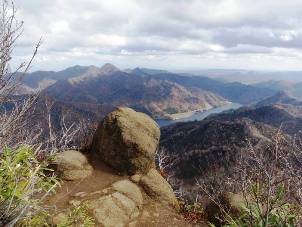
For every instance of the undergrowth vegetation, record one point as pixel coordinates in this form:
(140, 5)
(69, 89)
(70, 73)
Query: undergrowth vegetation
(266, 184)
(192, 212)
(22, 179)
(264, 189)
(262, 209)
(254, 208)
(78, 216)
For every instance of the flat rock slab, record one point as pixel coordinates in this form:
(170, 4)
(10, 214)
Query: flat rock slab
(130, 190)
(119, 207)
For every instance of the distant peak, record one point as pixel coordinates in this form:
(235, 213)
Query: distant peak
(109, 68)
(282, 93)
(76, 66)
(281, 97)
(149, 71)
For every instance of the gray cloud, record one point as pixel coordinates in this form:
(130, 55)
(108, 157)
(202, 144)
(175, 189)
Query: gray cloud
(143, 31)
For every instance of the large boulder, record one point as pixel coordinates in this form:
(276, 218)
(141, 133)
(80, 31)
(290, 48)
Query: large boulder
(127, 140)
(72, 165)
(158, 188)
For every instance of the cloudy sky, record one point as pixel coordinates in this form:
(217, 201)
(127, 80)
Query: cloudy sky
(168, 34)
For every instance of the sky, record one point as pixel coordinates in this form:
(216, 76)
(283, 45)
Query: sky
(165, 34)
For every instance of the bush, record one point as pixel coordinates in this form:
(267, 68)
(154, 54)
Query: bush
(269, 179)
(22, 178)
(192, 212)
(78, 216)
(279, 213)
(40, 219)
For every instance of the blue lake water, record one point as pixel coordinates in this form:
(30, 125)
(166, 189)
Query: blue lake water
(199, 115)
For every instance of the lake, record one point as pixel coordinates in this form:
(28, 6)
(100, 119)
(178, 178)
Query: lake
(199, 115)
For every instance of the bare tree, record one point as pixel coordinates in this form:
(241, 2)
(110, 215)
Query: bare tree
(269, 181)
(13, 127)
(11, 29)
(64, 137)
(11, 120)
(16, 129)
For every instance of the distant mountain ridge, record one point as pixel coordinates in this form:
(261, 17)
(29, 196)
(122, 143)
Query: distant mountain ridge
(280, 97)
(235, 92)
(33, 80)
(158, 93)
(248, 76)
(294, 89)
(157, 97)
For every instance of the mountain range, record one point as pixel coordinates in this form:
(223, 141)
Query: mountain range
(156, 92)
(157, 97)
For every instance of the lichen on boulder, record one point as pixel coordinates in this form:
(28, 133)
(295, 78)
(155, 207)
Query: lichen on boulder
(127, 140)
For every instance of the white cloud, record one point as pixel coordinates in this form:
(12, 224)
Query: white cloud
(168, 34)
(60, 27)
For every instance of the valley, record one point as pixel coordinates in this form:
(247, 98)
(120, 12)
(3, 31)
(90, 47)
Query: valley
(198, 115)
(211, 147)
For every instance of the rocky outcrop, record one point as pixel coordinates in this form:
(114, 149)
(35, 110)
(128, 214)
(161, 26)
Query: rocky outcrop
(158, 188)
(72, 165)
(127, 140)
(123, 203)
